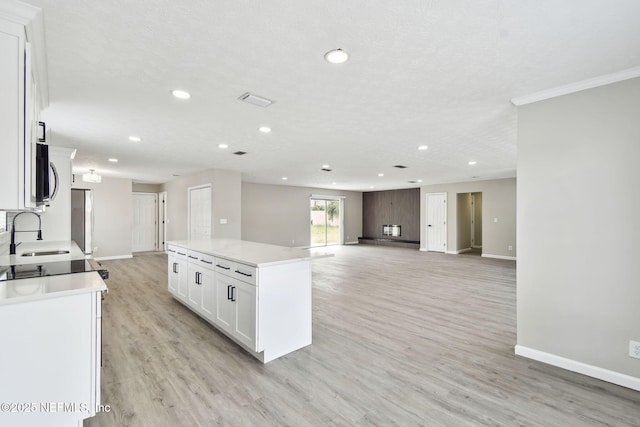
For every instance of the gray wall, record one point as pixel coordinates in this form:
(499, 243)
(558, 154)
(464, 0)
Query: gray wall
(146, 188)
(113, 219)
(399, 207)
(226, 194)
(578, 233)
(498, 201)
(280, 214)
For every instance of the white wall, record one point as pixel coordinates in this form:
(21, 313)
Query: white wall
(113, 218)
(578, 229)
(280, 214)
(498, 201)
(226, 192)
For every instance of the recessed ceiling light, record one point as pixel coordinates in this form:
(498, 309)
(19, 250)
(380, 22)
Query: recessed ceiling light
(372, 187)
(181, 94)
(336, 56)
(472, 162)
(223, 146)
(135, 138)
(113, 160)
(419, 180)
(380, 174)
(422, 147)
(265, 129)
(326, 166)
(284, 178)
(334, 183)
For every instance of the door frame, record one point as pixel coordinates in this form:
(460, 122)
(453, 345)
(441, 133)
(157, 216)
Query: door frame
(446, 222)
(162, 221)
(339, 199)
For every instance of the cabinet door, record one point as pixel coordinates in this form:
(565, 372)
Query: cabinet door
(245, 315)
(194, 286)
(183, 278)
(208, 305)
(225, 307)
(174, 275)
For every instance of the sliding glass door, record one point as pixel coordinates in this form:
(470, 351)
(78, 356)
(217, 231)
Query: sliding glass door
(325, 222)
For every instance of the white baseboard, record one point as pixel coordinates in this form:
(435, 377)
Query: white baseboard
(352, 243)
(108, 258)
(476, 246)
(424, 249)
(511, 258)
(579, 367)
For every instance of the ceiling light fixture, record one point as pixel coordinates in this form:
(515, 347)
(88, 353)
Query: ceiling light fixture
(419, 180)
(223, 146)
(422, 147)
(284, 178)
(181, 94)
(113, 160)
(92, 176)
(380, 174)
(336, 56)
(326, 166)
(265, 129)
(135, 138)
(472, 162)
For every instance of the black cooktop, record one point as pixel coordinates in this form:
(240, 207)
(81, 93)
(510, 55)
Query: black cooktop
(23, 271)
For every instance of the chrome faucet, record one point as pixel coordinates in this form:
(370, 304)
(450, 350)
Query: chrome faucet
(13, 245)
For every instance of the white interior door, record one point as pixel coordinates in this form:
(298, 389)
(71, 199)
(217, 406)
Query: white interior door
(437, 222)
(144, 222)
(162, 221)
(199, 212)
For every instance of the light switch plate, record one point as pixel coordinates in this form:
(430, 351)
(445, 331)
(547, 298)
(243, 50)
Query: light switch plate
(223, 220)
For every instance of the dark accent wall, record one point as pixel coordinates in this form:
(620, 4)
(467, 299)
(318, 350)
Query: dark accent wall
(401, 207)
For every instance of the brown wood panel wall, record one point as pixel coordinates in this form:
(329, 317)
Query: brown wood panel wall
(401, 207)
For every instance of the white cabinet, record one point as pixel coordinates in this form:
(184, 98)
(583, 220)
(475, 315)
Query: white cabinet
(264, 308)
(51, 352)
(178, 272)
(20, 104)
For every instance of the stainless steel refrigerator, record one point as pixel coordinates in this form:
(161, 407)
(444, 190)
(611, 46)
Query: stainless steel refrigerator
(82, 219)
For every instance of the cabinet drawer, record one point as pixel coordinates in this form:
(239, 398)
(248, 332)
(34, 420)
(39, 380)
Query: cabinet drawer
(177, 251)
(205, 261)
(244, 273)
(236, 270)
(193, 256)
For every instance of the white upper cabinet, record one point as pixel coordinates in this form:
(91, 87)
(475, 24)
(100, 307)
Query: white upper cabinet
(22, 66)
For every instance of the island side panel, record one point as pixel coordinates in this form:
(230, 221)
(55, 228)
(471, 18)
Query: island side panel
(284, 308)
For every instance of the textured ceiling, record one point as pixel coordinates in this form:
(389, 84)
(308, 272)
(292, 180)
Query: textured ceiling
(439, 73)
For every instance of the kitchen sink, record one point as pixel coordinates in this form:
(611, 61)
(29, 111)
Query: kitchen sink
(44, 253)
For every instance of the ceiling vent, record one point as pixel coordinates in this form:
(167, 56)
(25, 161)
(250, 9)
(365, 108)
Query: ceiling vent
(400, 166)
(255, 100)
(412, 182)
(326, 169)
(240, 153)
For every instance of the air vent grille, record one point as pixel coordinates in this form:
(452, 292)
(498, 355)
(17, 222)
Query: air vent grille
(326, 169)
(240, 153)
(400, 166)
(260, 101)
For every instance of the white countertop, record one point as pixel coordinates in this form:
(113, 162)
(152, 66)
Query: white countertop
(251, 253)
(43, 245)
(39, 288)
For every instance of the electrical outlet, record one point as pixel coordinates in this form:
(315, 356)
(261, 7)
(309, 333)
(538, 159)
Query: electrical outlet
(634, 349)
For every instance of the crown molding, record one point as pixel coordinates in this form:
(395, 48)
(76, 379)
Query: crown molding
(627, 74)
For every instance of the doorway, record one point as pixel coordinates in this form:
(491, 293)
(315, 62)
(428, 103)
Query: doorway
(437, 222)
(144, 222)
(199, 212)
(326, 221)
(469, 223)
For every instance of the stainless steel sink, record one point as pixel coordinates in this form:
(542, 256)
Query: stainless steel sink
(44, 253)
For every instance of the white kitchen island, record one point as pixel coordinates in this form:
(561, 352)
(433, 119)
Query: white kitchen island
(259, 295)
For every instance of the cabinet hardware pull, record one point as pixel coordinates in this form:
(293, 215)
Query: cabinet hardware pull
(44, 132)
(228, 291)
(193, 257)
(208, 262)
(170, 250)
(175, 267)
(244, 274)
(222, 266)
(233, 293)
(180, 253)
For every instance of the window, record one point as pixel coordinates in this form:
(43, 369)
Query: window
(3, 221)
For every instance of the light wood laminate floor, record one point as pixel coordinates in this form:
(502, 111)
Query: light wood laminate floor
(400, 338)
